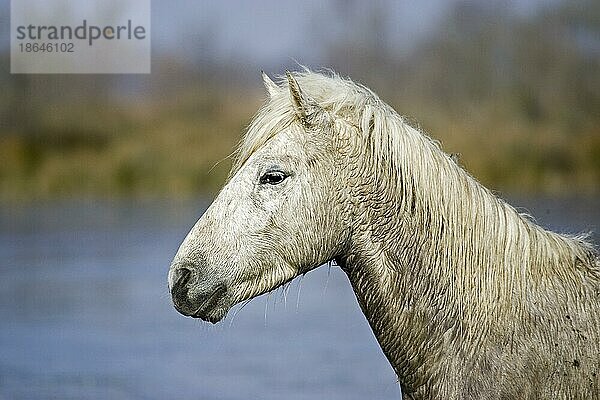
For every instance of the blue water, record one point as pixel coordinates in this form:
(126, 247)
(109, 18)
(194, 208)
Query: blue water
(85, 314)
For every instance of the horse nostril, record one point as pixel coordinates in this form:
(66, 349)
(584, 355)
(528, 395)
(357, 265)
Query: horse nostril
(182, 277)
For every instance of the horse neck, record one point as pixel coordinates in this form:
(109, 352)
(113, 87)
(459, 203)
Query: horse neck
(423, 250)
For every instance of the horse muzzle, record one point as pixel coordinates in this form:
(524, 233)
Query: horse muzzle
(196, 297)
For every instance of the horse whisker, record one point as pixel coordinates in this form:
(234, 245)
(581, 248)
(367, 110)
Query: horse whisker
(298, 296)
(267, 307)
(286, 288)
(327, 279)
(244, 304)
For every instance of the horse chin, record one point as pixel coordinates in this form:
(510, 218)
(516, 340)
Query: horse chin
(213, 308)
(213, 316)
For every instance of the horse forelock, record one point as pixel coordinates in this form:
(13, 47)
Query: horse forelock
(340, 97)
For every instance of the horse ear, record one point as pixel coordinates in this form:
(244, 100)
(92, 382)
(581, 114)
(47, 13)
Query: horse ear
(306, 108)
(271, 86)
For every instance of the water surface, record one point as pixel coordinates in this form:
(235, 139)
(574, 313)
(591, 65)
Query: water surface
(85, 313)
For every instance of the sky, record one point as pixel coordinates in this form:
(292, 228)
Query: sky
(270, 32)
(267, 30)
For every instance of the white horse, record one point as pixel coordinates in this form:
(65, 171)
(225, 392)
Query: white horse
(467, 298)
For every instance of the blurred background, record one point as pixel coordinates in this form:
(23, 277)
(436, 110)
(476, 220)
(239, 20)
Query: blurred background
(101, 176)
(513, 86)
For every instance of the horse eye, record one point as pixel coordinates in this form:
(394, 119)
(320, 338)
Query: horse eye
(273, 177)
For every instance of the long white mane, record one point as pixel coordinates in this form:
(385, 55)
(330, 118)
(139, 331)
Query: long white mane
(476, 228)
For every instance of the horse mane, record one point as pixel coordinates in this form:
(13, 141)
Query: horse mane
(440, 194)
